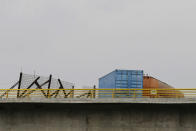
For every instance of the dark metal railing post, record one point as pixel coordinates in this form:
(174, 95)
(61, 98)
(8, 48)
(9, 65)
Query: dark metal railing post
(94, 91)
(72, 94)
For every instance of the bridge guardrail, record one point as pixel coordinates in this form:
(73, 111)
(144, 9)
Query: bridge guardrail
(97, 93)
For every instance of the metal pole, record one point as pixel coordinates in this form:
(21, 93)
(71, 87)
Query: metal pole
(19, 85)
(61, 87)
(49, 83)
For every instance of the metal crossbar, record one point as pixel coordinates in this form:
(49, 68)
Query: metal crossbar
(97, 93)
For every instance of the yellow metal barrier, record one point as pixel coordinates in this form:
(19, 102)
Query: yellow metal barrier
(97, 93)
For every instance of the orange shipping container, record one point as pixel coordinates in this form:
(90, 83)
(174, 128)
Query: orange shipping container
(151, 88)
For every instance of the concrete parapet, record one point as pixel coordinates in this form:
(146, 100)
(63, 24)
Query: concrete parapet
(98, 115)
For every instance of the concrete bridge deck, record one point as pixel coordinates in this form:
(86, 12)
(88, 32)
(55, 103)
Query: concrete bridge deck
(102, 100)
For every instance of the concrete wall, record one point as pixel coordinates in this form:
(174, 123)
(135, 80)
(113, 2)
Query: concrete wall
(97, 117)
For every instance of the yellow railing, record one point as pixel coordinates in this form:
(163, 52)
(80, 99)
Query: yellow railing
(97, 93)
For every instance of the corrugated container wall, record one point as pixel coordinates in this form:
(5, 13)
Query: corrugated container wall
(152, 83)
(127, 79)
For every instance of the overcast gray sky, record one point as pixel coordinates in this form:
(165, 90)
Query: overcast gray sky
(81, 40)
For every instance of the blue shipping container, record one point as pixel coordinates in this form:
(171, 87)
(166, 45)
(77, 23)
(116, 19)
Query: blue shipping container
(122, 79)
